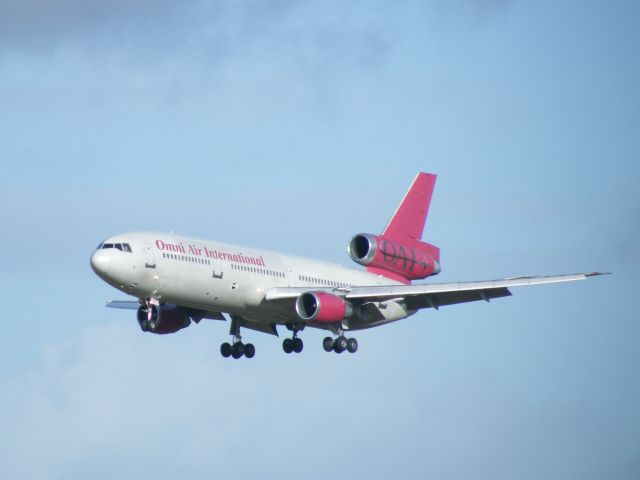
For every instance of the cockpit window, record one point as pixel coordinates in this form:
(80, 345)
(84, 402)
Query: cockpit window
(99, 247)
(123, 247)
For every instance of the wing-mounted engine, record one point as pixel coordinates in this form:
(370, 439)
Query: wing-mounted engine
(400, 260)
(322, 307)
(162, 319)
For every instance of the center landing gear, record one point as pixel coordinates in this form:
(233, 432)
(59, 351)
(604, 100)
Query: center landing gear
(237, 349)
(340, 344)
(293, 344)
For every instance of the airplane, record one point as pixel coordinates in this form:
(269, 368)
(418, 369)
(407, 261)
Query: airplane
(178, 280)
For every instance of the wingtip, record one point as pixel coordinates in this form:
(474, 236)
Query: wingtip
(595, 274)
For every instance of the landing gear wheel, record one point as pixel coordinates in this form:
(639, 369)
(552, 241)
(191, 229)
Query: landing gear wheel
(297, 345)
(287, 345)
(225, 350)
(237, 350)
(352, 345)
(249, 350)
(340, 345)
(327, 344)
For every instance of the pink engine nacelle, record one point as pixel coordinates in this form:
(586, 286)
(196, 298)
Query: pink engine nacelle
(322, 307)
(162, 319)
(400, 260)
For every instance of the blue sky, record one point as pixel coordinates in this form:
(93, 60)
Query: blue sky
(291, 126)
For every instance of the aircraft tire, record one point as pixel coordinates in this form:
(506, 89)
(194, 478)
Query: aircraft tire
(249, 350)
(298, 345)
(225, 350)
(352, 345)
(237, 350)
(287, 345)
(340, 345)
(327, 344)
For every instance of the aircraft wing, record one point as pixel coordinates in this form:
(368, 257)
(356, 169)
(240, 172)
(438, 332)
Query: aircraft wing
(433, 295)
(196, 315)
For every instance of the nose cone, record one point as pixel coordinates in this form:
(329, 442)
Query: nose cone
(101, 261)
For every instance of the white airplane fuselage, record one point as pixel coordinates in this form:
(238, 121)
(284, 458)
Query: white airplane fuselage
(219, 277)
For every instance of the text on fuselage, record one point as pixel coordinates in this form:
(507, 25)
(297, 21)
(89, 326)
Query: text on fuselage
(205, 252)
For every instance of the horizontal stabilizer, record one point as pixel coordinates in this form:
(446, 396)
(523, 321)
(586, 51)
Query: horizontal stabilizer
(124, 304)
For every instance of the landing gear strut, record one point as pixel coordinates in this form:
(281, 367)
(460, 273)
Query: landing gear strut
(293, 344)
(340, 344)
(237, 349)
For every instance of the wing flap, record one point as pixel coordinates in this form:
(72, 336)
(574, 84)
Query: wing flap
(437, 300)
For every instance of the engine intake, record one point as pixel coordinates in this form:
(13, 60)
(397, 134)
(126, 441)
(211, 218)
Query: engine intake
(322, 307)
(162, 319)
(400, 260)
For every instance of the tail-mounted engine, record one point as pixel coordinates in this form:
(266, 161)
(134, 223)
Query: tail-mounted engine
(162, 319)
(322, 307)
(402, 261)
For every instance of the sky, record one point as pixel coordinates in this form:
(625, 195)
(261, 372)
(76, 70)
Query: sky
(292, 125)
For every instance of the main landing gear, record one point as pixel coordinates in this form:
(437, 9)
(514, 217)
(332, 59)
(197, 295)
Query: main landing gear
(340, 344)
(237, 349)
(293, 344)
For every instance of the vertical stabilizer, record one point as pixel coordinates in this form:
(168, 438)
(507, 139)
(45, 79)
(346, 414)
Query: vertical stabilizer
(408, 221)
(399, 253)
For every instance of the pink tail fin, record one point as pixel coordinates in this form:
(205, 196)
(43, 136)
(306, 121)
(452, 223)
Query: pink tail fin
(408, 221)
